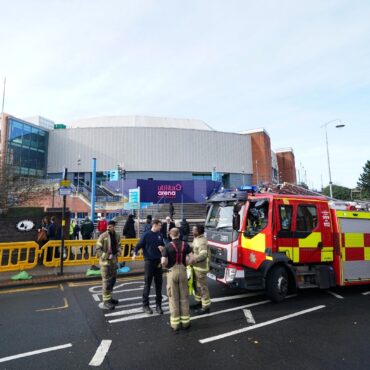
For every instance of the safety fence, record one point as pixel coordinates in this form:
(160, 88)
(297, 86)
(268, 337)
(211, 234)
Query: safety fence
(27, 255)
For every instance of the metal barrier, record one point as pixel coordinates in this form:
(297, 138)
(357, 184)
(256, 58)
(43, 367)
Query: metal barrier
(25, 255)
(18, 256)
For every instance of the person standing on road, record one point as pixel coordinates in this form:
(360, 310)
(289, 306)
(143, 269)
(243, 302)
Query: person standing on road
(201, 267)
(165, 229)
(174, 257)
(102, 225)
(148, 223)
(108, 248)
(184, 230)
(87, 229)
(129, 231)
(152, 245)
(76, 231)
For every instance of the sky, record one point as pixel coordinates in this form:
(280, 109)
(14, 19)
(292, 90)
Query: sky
(286, 66)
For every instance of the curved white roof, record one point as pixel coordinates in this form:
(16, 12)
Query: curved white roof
(141, 121)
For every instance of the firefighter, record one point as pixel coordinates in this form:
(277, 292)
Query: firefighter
(174, 257)
(201, 267)
(108, 248)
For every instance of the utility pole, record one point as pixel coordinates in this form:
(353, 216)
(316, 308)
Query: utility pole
(2, 106)
(93, 189)
(65, 172)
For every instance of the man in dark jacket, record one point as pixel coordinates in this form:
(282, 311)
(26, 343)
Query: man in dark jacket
(165, 229)
(184, 230)
(148, 223)
(152, 245)
(129, 231)
(87, 229)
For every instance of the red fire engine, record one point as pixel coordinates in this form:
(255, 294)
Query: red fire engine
(280, 242)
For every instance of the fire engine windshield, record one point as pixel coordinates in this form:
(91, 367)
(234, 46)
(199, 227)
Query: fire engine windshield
(221, 215)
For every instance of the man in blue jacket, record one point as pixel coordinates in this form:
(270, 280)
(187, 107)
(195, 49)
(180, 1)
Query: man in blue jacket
(152, 245)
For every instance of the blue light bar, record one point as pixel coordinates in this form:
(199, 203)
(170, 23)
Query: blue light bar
(248, 188)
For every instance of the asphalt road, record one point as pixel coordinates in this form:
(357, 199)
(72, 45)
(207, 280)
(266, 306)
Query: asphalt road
(62, 327)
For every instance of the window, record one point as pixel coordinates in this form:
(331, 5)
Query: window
(354, 225)
(221, 215)
(257, 218)
(306, 218)
(285, 213)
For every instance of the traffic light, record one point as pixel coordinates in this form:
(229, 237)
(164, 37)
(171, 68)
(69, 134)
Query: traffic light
(121, 173)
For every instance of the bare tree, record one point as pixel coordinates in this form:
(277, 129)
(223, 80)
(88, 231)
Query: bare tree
(16, 189)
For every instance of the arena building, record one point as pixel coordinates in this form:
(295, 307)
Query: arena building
(142, 147)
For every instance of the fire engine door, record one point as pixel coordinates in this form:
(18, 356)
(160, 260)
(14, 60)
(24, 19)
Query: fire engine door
(284, 229)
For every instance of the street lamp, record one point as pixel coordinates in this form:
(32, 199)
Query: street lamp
(78, 173)
(339, 124)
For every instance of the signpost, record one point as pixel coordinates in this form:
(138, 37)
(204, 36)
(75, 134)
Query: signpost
(134, 198)
(64, 190)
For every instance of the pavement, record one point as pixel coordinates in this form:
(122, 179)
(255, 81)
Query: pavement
(43, 275)
(60, 326)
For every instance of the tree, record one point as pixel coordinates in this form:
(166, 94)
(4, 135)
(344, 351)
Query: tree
(339, 192)
(364, 181)
(16, 189)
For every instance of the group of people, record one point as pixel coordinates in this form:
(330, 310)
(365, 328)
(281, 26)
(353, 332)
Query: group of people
(163, 246)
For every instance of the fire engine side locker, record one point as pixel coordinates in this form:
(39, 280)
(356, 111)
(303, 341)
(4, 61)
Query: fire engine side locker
(353, 236)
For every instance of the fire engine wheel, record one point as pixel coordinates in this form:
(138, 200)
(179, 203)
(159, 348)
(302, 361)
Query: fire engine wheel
(277, 284)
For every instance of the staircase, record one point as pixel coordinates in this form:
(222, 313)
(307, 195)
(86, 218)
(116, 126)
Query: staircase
(193, 212)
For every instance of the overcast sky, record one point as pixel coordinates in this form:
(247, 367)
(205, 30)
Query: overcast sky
(287, 66)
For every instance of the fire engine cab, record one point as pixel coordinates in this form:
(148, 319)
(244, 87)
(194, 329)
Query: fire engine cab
(280, 242)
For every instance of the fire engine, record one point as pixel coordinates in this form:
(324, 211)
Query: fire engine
(280, 242)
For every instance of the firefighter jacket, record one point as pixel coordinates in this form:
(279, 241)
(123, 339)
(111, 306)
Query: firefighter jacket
(104, 249)
(201, 254)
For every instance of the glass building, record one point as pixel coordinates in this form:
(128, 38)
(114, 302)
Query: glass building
(26, 148)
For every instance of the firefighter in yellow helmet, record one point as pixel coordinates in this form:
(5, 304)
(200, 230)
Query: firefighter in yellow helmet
(174, 257)
(201, 267)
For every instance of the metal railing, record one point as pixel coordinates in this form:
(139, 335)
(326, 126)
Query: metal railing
(26, 255)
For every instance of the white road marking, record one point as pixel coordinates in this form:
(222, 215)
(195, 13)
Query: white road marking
(144, 315)
(27, 354)
(248, 315)
(100, 353)
(96, 297)
(256, 326)
(136, 317)
(98, 288)
(130, 312)
(164, 299)
(366, 293)
(236, 308)
(124, 290)
(134, 298)
(238, 296)
(335, 294)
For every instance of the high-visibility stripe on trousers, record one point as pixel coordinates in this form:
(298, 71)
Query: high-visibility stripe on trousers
(202, 293)
(178, 296)
(109, 275)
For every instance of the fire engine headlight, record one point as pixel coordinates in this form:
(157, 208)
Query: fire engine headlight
(230, 274)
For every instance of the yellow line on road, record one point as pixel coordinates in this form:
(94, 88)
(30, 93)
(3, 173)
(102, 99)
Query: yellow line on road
(55, 308)
(28, 289)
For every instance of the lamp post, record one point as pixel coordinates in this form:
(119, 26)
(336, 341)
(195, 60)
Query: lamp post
(338, 125)
(78, 173)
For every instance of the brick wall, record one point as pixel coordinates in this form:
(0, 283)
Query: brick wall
(261, 154)
(286, 165)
